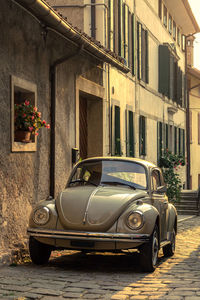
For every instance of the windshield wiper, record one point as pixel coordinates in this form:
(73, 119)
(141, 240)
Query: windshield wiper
(84, 181)
(118, 182)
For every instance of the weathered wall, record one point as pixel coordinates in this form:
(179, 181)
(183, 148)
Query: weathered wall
(25, 176)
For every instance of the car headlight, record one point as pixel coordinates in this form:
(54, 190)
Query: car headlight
(41, 215)
(135, 220)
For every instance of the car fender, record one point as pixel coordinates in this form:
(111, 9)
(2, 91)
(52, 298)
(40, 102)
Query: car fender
(172, 218)
(150, 215)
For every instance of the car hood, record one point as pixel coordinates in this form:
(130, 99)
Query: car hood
(94, 208)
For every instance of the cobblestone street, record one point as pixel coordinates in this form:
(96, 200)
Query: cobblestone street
(112, 276)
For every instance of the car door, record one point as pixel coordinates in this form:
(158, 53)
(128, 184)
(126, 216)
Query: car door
(160, 201)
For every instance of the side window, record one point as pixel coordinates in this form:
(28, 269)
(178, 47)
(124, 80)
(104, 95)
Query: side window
(156, 180)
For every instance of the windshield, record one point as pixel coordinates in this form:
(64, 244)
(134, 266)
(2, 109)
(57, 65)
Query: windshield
(99, 172)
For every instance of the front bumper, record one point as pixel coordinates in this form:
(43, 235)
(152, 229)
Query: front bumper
(88, 236)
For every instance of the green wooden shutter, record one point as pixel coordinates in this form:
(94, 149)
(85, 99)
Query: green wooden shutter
(179, 141)
(159, 140)
(126, 13)
(183, 142)
(142, 135)
(139, 49)
(117, 131)
(147, 57)
(166, 136)
(121, 27)
(175, 140)
(164, 70)
(111, 25)
(133, 44)
(131, 134)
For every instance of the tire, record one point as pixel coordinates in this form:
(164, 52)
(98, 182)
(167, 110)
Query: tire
(149, 252)
(39, 252)
(169, 249)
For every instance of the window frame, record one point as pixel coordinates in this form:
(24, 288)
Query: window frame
(26, 87)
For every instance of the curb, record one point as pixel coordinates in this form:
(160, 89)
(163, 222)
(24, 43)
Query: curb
(182, 218)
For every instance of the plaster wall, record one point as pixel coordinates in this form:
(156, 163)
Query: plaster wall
(194, 146)
(25, 176)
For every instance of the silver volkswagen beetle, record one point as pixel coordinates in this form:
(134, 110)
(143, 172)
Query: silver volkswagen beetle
(109, 204)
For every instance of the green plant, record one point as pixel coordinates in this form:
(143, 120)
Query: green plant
(170, 163)
(27, 118)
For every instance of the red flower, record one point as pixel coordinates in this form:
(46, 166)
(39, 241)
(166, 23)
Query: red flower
(27, 102)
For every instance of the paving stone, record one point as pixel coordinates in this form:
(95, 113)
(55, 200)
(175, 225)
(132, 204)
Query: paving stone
(46, 292)
(72, 295)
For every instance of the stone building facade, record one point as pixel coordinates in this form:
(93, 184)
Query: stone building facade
(147, 105)
(50, 63)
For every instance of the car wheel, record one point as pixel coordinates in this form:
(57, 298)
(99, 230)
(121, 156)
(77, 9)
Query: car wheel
(169, 249)
(39, 252)
(149, 252)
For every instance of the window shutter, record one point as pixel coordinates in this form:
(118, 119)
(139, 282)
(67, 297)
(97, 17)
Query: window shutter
(179, 141)
(126, 31)
(164, 70)
(142, 135)
(111, 25)
(175, 140)
(147, 57)
(117, 131)
(131, 134)
(139, 50)
(121, 27)
(199, 128)
(183, 142)
(175, 81)
(133, 44)
(166, 136)
(171, 84)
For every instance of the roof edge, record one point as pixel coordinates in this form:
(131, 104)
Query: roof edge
(45, 13)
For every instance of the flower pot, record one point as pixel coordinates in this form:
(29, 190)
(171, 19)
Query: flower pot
(22, 136)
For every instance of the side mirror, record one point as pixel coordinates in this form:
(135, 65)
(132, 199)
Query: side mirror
(161, 189)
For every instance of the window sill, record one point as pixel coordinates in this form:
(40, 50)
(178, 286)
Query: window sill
(23, 147)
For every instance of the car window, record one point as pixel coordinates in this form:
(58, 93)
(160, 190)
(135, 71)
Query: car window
(155, 180)
(108, 171)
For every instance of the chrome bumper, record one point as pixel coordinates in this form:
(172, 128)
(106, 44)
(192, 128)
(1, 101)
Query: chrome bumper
(89, 236)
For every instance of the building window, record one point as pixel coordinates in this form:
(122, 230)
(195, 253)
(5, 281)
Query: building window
(116, 141)
(174, 30)
(21, 90)
(198, 180)
(142, 135)
(171, 79)
(160, 9)
(183, 42)
(129, 134)
(178, 37)
(142, 53)
(165, 16)
(170, 24)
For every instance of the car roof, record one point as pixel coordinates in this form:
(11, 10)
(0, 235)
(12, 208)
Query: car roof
(131, 159)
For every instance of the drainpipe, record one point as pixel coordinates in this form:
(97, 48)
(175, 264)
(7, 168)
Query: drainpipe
(53, 68)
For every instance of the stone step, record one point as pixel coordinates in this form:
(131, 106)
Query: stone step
(187, 212)
(186, 204)
(188, 207)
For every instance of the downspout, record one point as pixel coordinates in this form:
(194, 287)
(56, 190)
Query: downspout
(53, 68)
(187, 120)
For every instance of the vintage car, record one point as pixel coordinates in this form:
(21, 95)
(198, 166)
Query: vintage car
(109, 204)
